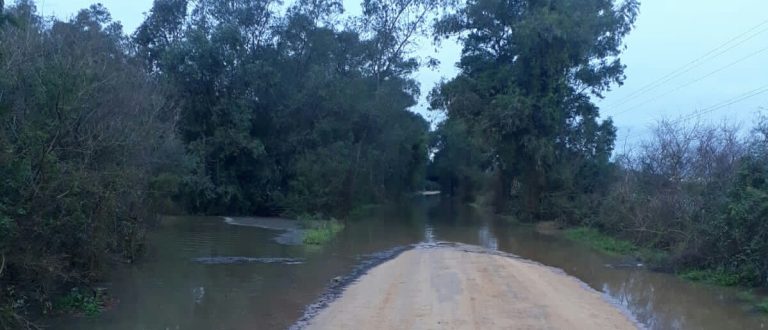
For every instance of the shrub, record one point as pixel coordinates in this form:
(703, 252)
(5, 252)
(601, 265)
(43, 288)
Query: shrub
(82, 128)
(317, 231)
(80, 301)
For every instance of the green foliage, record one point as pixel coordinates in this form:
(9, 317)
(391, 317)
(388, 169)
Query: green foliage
(317, 230)
(698, 193)
(528, 69)
(600, 241)
(164, 191)
(82, 128)
(617, 246)
(79, 302)
(758, 303)
(712, 276)
(290, 114)
(740, 234)
(460, 160)
(762, 306)
(241, 107)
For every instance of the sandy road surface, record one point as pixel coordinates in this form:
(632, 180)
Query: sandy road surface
(447, 288)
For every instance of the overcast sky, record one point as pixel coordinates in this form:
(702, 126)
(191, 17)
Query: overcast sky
(668, 74)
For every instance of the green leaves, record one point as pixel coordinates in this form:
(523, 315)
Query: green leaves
(526, 69)
(292, 113)
(82, 130)
(740, 234)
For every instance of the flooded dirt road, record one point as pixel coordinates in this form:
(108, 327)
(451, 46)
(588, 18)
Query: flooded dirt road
(466, 288)
(250, 273)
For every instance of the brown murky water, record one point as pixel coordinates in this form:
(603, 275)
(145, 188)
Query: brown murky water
(184, 283)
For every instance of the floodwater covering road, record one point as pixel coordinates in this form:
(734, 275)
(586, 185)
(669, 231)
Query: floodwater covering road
(204, 273)
(467, 288)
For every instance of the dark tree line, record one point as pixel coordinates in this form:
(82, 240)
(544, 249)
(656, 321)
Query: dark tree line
(211, 107)
(290, 113)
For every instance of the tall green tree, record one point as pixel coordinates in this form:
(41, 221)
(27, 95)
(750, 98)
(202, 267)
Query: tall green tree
(528, 70)
(290, 113)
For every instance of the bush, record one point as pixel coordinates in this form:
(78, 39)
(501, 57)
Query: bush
(700, 194)
(762, 306)
(740, 233)
(82, 129)
(318, 231)
(79, 301)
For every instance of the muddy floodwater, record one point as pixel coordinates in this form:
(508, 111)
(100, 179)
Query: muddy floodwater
(237, 273)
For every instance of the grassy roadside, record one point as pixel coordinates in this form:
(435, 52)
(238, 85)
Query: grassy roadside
(600, 241)
(614, 246)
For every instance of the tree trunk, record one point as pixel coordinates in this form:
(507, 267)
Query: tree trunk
(502, 188)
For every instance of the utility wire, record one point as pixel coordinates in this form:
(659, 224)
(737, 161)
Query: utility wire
(729, 65)
(732, 101)
(717, 51)
(717, 106)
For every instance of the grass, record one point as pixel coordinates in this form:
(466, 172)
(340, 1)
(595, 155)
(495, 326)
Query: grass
(711, 276)
(602, 242)
(614, 246)
(317, 231)
(762, 306)
(78, 302)
(759, 304)
(721, 277)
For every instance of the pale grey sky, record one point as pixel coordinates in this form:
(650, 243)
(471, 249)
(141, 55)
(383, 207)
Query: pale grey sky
(669, 35)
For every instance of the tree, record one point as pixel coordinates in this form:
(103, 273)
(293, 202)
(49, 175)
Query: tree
(83, 134)
(392, 28)
(461, 162)
(528, 68)
(284, 114)
(160, 30)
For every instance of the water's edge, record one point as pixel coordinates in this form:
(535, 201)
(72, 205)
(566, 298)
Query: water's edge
(337, 286)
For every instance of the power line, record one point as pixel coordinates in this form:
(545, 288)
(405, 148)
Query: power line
(717, 106)
(732, 101)
(729, 65)
(695, 63)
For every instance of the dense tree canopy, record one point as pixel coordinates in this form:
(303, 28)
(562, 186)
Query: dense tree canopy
(212, 107)
(290, 113)
(83, 136)
(528, 69)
